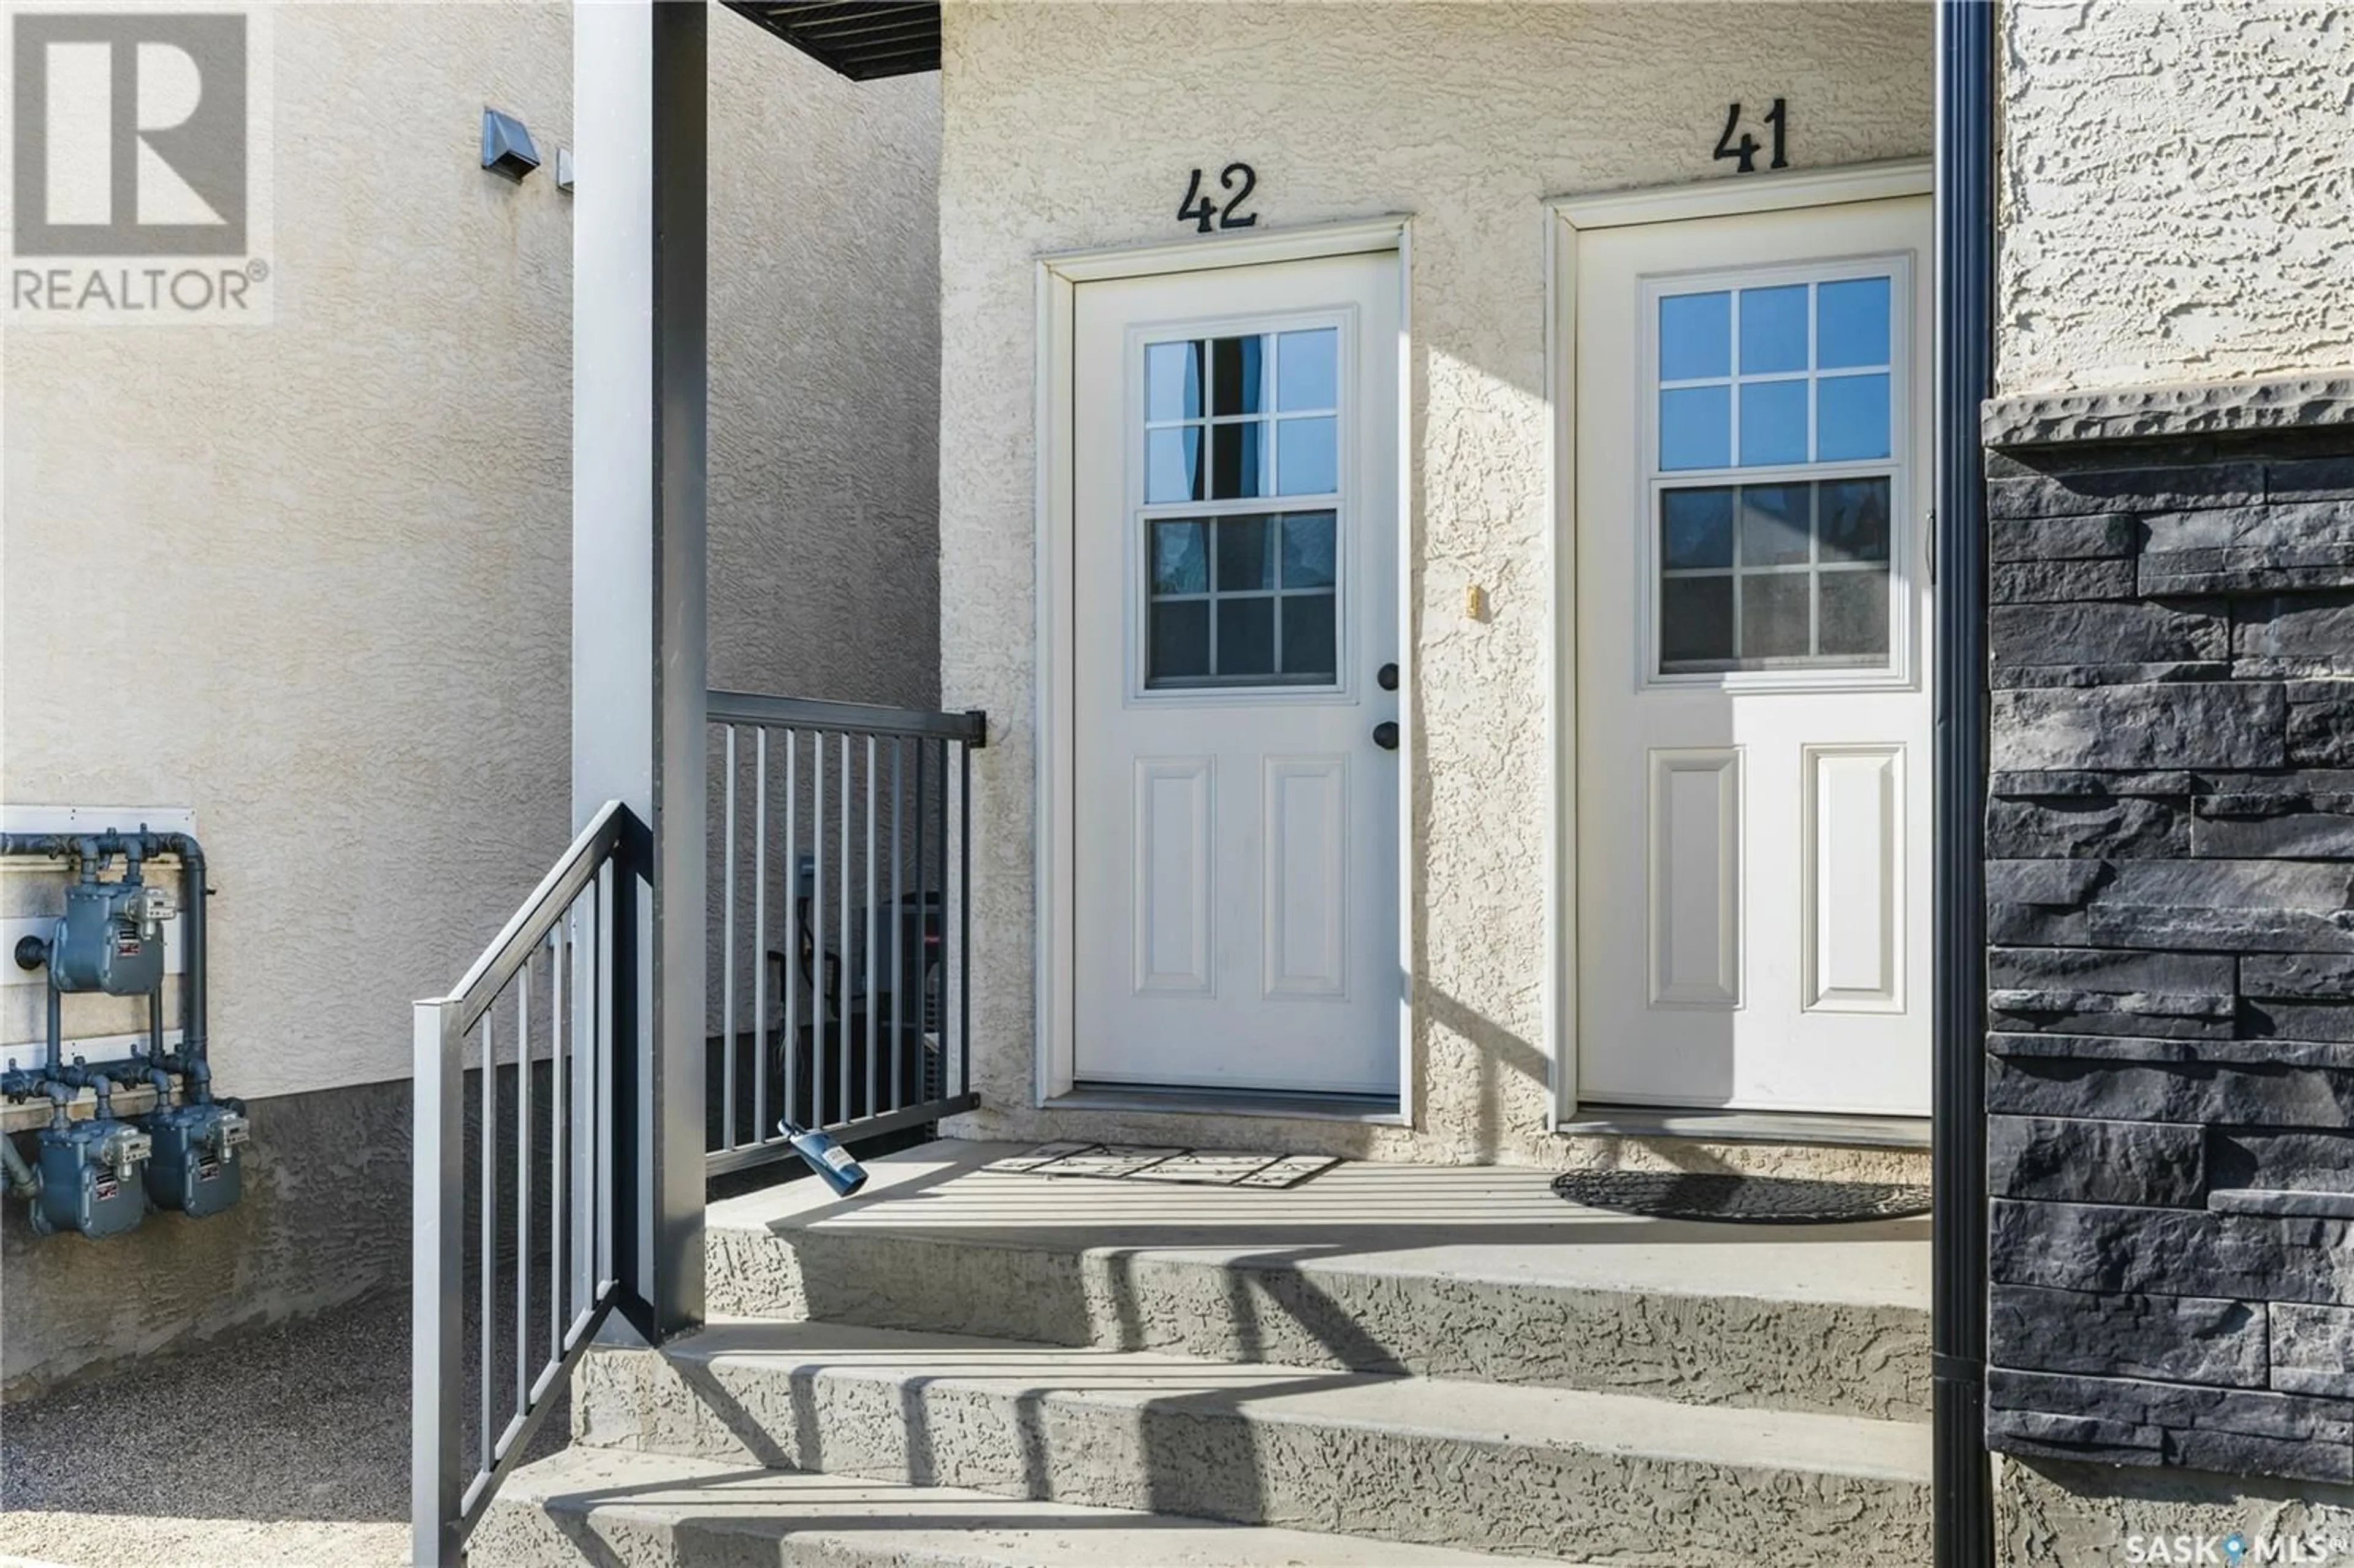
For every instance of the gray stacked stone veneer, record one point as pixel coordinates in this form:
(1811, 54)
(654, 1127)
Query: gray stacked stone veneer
(2170, 903)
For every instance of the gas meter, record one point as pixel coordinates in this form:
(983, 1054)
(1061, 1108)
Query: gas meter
(110, 938)
(93, 1178)
(196, 1168)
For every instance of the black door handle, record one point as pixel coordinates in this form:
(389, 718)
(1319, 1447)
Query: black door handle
(1385, 735)
(1386, 677)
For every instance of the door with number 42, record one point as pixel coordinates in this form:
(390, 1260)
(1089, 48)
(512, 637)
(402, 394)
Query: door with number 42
(1234, 748)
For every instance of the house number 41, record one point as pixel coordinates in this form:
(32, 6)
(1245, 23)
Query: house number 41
(1746, 148)
(1237, 180)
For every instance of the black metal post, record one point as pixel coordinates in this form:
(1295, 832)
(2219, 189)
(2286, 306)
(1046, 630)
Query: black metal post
(1965, 273)
(629, 1056)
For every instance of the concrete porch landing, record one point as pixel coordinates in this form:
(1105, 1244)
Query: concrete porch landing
(1456, 1272)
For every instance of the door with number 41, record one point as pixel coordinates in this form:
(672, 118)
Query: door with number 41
(1754, 716)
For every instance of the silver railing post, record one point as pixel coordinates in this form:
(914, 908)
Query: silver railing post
(437, 1375)
(638, 599)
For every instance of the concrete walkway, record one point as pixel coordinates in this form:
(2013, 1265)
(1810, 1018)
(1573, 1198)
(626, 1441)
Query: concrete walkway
(284, 1446)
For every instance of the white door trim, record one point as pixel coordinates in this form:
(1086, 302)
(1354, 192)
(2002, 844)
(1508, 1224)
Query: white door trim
(1058, 276)
(1566, 217)
(1725, 197)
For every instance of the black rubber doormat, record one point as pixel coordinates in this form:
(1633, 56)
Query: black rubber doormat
(1185, 1167)
(1740, 1200)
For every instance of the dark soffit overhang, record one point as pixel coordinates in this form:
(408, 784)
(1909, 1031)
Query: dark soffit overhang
(863, 41)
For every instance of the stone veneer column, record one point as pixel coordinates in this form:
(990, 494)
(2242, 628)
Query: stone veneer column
(2171, 900)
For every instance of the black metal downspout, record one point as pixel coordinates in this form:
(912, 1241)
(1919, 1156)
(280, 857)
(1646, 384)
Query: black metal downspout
(1965, 274)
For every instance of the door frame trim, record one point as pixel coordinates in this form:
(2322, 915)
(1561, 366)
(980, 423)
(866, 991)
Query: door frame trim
(1058, 276)
(1566, 217)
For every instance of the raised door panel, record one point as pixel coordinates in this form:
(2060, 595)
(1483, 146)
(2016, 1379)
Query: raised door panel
(1305, 914)
(1694, 896)
(1851, 860)
(1174, 889)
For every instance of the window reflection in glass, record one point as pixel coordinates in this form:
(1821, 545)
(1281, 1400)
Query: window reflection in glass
(1308, 459)
(1243, 601)
(1308, 370)
(1852, 323)
(1776, 525)
(1809, 381)
(1696, 427)
(1853, 519)
(1308, 550)
(1773, 330)
(1696, 526)
(1173, 465)
(1784, 375)
(1172, 381)
(1180, 558)
(1772, 423)
(1851, 418)
(1695, 337)
(1238, 372)
(1765, 576)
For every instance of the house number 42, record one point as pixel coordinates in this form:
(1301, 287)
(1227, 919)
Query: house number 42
(1237, 180)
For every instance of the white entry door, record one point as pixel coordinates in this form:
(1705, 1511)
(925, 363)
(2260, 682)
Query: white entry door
(1235, 762)
(1753, 708)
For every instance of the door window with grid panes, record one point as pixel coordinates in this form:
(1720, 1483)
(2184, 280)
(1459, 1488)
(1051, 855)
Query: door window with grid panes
(1775, 455)
(1240, 521)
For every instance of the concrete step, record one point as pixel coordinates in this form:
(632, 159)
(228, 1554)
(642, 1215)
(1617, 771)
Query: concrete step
(1477, 1274)
(618, 1510)
(1543, 1472)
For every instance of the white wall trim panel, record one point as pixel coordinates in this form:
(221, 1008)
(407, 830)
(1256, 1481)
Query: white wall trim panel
(27, 819)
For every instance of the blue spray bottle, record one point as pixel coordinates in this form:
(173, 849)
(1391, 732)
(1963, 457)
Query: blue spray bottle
(825, 1157)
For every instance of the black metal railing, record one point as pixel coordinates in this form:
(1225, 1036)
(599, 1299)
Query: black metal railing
(840, 859)
(519, 1180)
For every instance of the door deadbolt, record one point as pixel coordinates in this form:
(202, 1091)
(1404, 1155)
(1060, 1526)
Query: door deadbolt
(1386, 677)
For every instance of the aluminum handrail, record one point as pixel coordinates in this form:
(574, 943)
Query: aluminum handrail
(858, 718)
(530, 924)
(540, 1302)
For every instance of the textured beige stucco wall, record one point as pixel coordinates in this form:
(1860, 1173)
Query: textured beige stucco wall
(312, 578)
(825, 375)
(1074, 126)
(2175, 192)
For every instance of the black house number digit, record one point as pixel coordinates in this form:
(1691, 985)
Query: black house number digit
(1237, 180)
(1746, 148)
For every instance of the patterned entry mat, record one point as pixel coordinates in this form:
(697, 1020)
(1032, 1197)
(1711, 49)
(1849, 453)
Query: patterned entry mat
(1187, 1167)
(1740, 1200)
